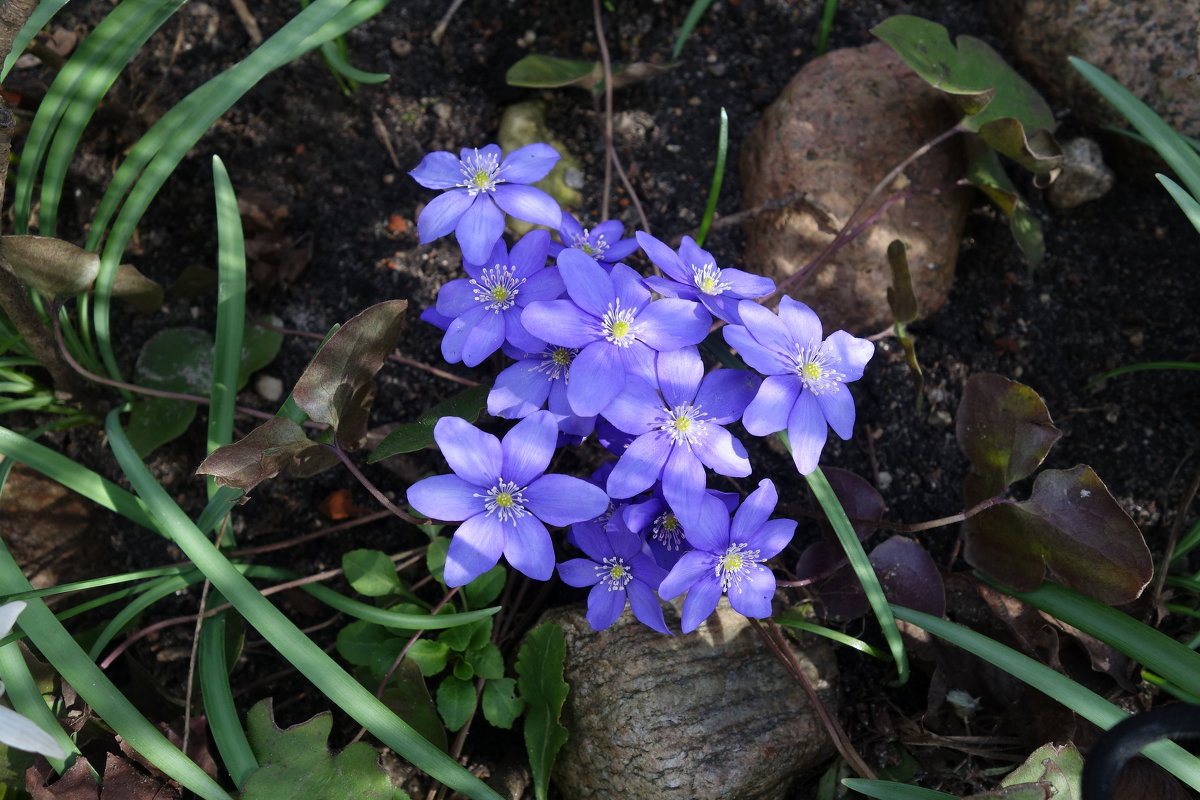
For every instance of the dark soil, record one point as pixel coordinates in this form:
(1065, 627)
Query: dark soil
(1117, 286)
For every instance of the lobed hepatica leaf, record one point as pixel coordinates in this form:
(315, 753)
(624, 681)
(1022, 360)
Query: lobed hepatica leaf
(296, 762)
(1072, 527)
(338, 386)
(1004, 430)
(278, 445)
(999, 105)
(52, 266)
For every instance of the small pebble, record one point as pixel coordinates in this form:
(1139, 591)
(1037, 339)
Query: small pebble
(401, 47)
(269, 388)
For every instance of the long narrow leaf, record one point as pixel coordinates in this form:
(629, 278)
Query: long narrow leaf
(157, 590)
(231, 314)
(714, 189)
(1082, 701)
(222, 714)
(37, 20)
(1184, 200)
(887, 790)
(309, 659)
(862, 567)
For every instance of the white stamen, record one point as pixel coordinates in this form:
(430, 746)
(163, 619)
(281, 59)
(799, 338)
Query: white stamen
(708, 279)
(556, 362)
(684, 424)
(617, 324)
(506, 500)
(614, 573)
(594, 249)
(733, 567)
(667, 531)
(481, 172)
(497, 288)
(814, 366)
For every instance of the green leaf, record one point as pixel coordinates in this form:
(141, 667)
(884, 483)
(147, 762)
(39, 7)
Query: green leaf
(296, 762)
(465, 637)
(1060, 766)
(136, 289)
(275, 446)
(259, 347)
(54, 267)
(418, 435)
(1072, 527)
(431, 656)
(1000, 105)
(887, 790)
(485, 588)
(987, 174)
(486, 661)
(408, 696)
(537, 71)
(501, 706)
(370, 572)
(455, 701)
(366, 644)
(173, 360)
(1004, 430)
(435, 558)
(900, 295)
(338, 386)
(540, 670)
(463, 670)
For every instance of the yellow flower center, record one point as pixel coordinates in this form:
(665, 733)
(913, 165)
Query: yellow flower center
(504, 500)
(482, 178)
(813, 371)
(620, 329)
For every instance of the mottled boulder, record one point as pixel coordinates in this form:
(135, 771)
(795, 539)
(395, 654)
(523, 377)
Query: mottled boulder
(1084, 175)
(1149, 46)
(710, 715)
(842, 123)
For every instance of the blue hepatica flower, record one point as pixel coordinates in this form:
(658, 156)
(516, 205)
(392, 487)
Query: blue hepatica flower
(486, 308)
(610, 319)
(804, 388)
(693, 274)
(603, 242)
(654, 520)
(616, 569)
(539, 380)
(678, 426)
(482, 188)
(728, 558)
(499, 492)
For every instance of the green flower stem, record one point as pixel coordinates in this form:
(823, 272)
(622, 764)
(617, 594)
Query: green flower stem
(219, 707)
(282, 633)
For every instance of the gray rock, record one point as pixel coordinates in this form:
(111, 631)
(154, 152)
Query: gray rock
(845, 120)
(1084, 176)
(708, 715)
(1149, 46)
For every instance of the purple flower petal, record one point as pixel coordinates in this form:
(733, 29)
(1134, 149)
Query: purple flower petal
(592, 538)
(457, 332)
(483, 338)
(634, 410)
(751, 596)
(670, 288)
(518, 391)
(746, 284)
(706, 524)
(853, 352)
(618, 251)
(773, 536)
(528, 548)
(544, 284)
(515, 334)
(563, 500)
(529, 164)
(445, 497)
(722, 453)
(474, 456)
(679, 375)
(669, 323)
(801, 321)
(766, 328)
(628, 288)
(807, 432)
(640, 465)
(754, 512)
(664, 257)
(528, 256)
(725, 393)
(479, 228)
(578, 572)
(768, 412)
(701, 601)
(597, 376)
(693, 566)
(604, 606)
(528, 204)
(587, 283)
(638, 360)
(475, 548)
(560, 322)
(442, 214)
(683, 479)
(766, 361)
(646, 608)
(488, 151)
(528, 448)
(838, 409)
(456, 298)
(437, 170)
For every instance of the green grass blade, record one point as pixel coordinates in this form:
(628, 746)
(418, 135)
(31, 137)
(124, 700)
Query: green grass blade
(68, 658)
(1152, 649)
(1184, 200)
(37, 20)
(887, 790)
(219, 707)
(1170, 145)
(336, 60)
(1083, 702)
(231, 314)
(714, 190)
(832, 635)
(689, 24)
(75, 477)
(826, 25)
(862, 568)
(99, 583)
(312, 662)
(1149, 365)
(1187, 543)
(155, 591)
(72, 99)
